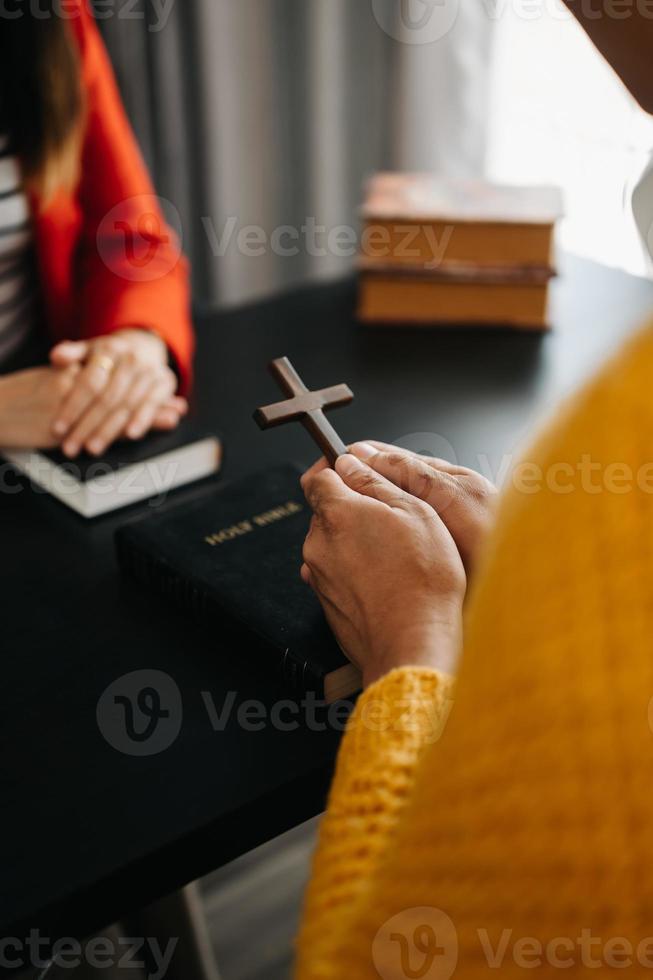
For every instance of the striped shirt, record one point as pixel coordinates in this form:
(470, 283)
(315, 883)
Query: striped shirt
(18, 282)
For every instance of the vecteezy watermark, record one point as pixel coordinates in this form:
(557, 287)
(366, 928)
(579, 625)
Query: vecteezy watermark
(585, 950)
(38, 952)
(153, 477)
(149, 480)
(141, 714)
(154, 13)
(423, 943)
(416, 944)
(565, 952)
(416, 21)
(428, 21)
(532, 10)
(583, 474)
(396, 240)
(135, 242)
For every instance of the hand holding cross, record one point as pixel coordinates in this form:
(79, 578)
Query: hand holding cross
(307, 407)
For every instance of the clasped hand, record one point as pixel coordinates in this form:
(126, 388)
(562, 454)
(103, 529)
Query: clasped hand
(393, 539)
(92, 393)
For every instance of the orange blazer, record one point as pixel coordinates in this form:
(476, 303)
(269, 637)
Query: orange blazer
(106, 257)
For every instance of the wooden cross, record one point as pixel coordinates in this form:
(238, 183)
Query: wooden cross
(307, 407)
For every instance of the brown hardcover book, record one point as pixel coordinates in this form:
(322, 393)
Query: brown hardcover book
(417, 299)
(425, 221)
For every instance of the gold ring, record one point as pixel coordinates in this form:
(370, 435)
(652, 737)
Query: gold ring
(104, 362)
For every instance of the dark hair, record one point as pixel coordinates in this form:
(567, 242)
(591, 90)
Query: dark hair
(41, 96)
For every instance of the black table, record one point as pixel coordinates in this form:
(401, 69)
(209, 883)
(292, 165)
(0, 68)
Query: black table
(89, 833)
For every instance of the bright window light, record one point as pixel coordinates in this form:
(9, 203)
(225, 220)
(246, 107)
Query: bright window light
(560, 115)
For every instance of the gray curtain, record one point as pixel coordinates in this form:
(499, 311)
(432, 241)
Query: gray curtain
(264, 115)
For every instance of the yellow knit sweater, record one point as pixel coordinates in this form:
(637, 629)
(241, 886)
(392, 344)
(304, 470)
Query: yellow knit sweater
(520, 841)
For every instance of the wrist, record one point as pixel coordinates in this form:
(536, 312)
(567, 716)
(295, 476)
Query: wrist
(145, 336)
(435, 645)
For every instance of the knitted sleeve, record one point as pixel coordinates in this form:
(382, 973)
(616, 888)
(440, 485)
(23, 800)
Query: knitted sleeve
(394, 721)
(519, 840)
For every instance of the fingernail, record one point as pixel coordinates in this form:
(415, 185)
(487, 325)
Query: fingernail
(347, 465)
(59, 427)
(363, 450)
(95, 446)
(70, 448)
(134, 431)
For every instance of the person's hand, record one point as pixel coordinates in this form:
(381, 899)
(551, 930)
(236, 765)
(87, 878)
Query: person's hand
(29, 401)
(464, 499)
(385, 568)
(125, 388)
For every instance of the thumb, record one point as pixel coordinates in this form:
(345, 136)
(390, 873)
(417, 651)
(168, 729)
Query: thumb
(69, 352)
(364, 480)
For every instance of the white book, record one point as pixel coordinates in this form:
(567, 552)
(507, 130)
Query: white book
(128, 473)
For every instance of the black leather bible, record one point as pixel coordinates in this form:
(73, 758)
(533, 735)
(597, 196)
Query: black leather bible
(231, 557)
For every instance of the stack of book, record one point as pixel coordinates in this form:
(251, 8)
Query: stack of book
(456, 252)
